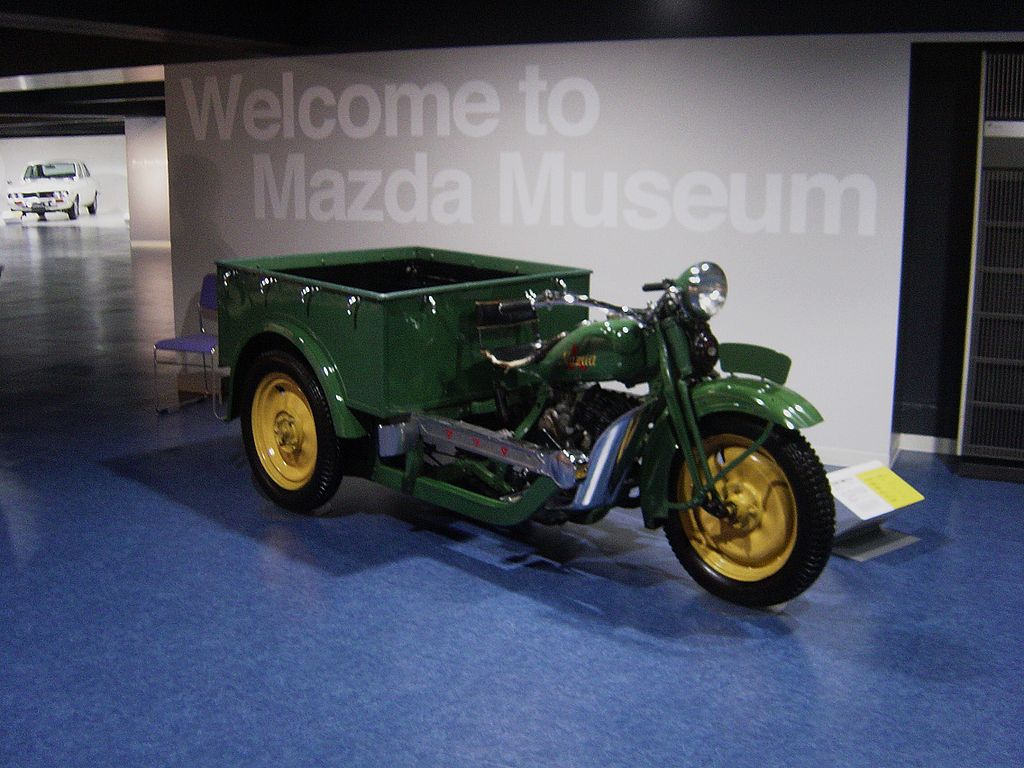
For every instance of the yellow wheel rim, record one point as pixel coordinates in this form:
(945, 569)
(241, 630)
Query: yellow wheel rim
(284, 431)
(758, 536)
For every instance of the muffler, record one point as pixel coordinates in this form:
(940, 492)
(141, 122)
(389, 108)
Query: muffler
(560, 466)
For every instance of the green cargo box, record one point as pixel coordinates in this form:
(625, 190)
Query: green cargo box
(390, 331)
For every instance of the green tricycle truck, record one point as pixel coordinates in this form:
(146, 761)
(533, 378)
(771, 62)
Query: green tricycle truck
(482, 385)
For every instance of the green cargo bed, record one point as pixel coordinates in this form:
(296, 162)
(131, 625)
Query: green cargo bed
(389, 331)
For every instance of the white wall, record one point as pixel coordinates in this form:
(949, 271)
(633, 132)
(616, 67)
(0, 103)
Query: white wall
(146, 152)
(631, 158)
(104, 155)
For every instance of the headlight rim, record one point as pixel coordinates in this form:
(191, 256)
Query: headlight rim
(705, 288)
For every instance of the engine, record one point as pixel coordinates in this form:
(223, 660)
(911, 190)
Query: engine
(578, 416)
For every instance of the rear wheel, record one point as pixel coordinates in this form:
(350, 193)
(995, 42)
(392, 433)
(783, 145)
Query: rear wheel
(288, 433)
(777, 534)
(95, 205)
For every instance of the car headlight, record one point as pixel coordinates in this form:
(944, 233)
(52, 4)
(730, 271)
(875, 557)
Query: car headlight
(705, 288)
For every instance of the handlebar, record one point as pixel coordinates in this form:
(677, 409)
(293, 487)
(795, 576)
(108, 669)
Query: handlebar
(551, 299)
(661, 285)
(559, 299)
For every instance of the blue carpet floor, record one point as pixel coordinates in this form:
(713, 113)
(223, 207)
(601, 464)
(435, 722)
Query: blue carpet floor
(155, 611)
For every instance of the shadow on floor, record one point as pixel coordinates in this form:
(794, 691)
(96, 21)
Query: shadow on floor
(601, 574)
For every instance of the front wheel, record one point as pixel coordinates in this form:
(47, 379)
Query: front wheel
(288, 433)
(74, 210)
(776, 535)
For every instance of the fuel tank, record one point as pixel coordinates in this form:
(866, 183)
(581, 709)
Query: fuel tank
(607, 350)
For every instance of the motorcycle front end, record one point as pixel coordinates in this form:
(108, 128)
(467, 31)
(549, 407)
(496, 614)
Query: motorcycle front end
(743, 498)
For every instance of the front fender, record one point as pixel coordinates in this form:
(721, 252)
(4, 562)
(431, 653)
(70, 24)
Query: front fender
(760, 398)
(757, 397)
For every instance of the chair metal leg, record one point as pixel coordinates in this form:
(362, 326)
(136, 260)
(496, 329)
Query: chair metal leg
(180, 403)
(218, 396)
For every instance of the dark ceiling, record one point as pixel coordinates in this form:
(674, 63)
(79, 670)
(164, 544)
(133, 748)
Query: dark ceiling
(103, 35)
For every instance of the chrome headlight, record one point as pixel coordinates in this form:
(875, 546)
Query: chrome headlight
(705, 288)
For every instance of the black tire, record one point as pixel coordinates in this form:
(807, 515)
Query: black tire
(779, 537)
(95, 205)
(283, 406)
(74, 210)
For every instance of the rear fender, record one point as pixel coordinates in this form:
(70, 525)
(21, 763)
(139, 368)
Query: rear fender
(281, 336)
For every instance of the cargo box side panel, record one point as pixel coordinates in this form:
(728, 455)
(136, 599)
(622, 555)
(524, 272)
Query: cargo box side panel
(433, 355)
(340, 336)
(429, 362)
(340, 340)
(352, 330)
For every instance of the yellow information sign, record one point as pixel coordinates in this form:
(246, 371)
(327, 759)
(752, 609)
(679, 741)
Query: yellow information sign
(890, 486)
(871, 490)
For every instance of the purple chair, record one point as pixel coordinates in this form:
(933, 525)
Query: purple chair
(180, 351)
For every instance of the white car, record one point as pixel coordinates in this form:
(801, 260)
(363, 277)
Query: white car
(57, 186)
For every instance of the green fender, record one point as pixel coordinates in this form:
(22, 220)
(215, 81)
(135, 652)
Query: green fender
(761, 398)
(345, 423)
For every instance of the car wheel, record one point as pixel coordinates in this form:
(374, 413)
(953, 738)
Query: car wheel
(74, 210)
(95, 204)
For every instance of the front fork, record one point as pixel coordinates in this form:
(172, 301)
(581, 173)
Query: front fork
(675, 369)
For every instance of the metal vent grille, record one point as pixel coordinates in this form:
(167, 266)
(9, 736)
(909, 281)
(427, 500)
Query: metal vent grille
(1004, 86)
(994, 396)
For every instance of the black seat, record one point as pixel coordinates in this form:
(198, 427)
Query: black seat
(504, 312)
(509, 332)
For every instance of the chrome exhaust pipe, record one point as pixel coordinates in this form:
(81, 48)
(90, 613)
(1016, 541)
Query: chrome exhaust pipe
(560, 466)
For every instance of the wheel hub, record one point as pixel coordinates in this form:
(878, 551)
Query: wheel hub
(744, 511)
(288, 434)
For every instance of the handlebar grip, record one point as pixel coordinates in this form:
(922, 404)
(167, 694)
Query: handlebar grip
(515, 306)
(658, 286)
(510, 311)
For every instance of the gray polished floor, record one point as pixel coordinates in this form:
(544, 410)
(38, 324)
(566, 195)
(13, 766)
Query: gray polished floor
(155, 611)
